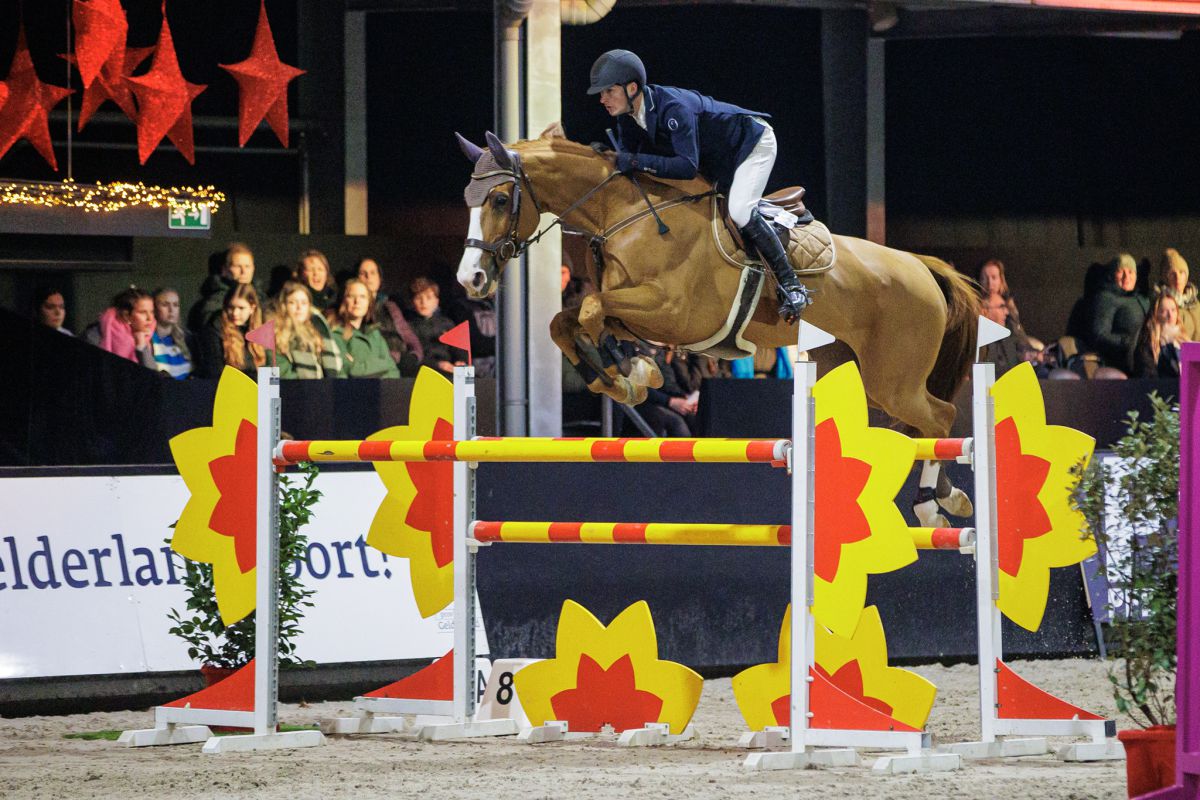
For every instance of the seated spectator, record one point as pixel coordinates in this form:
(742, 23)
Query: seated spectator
(126, 328)
(1158, 345)
(238, 269)
(669, 410)
(1173, 280)
(480, 316)
(169, 341)
(50, 309)
(365, 350)
(994, 284)
(402, 343)
(428, 323)
(312, 270)
(223, 340)
(1116, 314)
(304, 343)
(1078, 321)
(1016, 348)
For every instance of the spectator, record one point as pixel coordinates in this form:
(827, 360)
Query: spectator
(238, 269)
(353, 322)
(125, 329)
(669, 410)
(223, 340)
(1116, 314)
(480, 316)
(1173, 280)
(313, 271)
(171, 351)
(428, 323)
(994, 283)
(50, 309)
(1079, 321)
(402, 343)
(1016, 348)
(1158, 345)
(303, 342)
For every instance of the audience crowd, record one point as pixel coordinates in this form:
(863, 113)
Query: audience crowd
(346, 325)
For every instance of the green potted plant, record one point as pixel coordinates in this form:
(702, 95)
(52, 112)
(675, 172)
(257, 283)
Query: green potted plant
(221, 649)
(1132, 508)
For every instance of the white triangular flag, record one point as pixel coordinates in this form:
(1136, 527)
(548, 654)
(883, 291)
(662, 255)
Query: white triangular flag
(989, 333)
(811, 337)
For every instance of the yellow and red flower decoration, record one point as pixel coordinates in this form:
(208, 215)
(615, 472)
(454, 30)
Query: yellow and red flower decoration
(608, 676)
(1037, 528)
(857, 667)
(416, 518)
(858, 528)
(218, 524)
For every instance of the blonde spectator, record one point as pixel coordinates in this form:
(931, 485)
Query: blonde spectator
(303, 349)
(994, 283)
(1173, 281)
(1157, 354)
(169, 340)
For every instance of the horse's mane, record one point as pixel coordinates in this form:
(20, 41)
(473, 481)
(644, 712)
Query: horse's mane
(560, 145)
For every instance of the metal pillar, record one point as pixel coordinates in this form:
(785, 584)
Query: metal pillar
(355, 78)
(844, 88)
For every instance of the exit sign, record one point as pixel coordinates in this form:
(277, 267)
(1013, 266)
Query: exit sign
(189, 217)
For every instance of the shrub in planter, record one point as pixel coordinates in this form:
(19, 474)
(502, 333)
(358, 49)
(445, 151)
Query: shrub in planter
(209, 640)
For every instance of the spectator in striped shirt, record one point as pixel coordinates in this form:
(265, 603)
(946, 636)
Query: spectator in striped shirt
(169, 341)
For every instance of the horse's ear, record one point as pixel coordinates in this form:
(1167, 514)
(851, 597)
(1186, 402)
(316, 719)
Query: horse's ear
(469, 149)
(499, 151)
(554, 131)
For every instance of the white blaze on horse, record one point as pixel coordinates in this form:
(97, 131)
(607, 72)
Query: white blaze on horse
(910, 320)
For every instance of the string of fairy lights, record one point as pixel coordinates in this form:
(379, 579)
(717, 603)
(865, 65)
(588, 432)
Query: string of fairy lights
(107, 197)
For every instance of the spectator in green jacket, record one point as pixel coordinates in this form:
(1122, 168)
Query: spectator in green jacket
(303, 345)
(353, 322)
(1116, 315)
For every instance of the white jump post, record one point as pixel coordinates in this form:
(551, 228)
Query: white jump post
(175, 725)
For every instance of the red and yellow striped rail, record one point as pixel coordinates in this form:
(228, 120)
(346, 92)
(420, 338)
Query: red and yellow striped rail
(705, 451)
(677, 533)
(944, 449)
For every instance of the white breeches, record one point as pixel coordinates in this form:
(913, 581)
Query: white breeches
(750, 178)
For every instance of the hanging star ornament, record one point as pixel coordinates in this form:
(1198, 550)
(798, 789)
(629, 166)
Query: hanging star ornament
(110, 84)
(263, 80)
(164, 101)
(100, 31)
(25, 115)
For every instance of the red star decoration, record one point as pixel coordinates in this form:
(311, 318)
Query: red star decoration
(603, 697)
(164, 101)
(263, 80)
(1019, 478)
(26, 113)
(838, 519)
(100, 31)
(432, 508)
(848, 679)
(110, 83)
(236, 513)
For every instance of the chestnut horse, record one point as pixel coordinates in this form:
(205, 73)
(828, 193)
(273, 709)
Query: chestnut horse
(910, 320)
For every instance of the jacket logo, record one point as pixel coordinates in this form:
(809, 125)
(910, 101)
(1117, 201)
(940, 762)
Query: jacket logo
(673, 124)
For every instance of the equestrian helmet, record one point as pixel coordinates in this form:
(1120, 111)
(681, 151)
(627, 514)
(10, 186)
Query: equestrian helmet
(617, 67)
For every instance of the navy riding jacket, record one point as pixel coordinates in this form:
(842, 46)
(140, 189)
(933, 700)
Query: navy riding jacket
(688, 132)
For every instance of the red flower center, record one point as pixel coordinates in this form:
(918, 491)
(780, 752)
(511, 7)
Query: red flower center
(605, 697)
(1020, 514)
(432, 509)
(236, 511)
(839, 520)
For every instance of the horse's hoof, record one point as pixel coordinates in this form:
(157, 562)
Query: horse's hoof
(646, 373)
(957, 503)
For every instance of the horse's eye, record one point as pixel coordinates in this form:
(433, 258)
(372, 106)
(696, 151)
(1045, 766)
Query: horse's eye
(499, 201)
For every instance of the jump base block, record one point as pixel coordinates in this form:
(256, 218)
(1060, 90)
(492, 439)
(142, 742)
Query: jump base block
(768, 738)
(653, 734)
(218, 745)
(467, 730)
(171, 734)
(1109, 750)
(925, 762)
(365, 722)
(1001, 748)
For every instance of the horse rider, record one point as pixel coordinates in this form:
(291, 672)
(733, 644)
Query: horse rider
(677, 133)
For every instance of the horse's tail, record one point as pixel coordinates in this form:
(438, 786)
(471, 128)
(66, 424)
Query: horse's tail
(958, 344)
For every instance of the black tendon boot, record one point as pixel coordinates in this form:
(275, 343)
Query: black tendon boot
(793, 297)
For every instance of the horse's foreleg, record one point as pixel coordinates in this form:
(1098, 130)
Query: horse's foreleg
(640, 372)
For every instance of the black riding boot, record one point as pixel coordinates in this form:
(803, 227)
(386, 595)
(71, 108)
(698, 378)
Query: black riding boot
(793, 297)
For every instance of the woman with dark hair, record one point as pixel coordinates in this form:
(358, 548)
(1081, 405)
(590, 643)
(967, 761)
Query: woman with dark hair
(303, 343)
(50, 309)
(223, 340)
(125, 329)
(353, 323)
(403, 344)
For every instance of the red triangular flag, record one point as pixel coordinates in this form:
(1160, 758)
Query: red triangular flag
(459, 336)
(263, 335)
